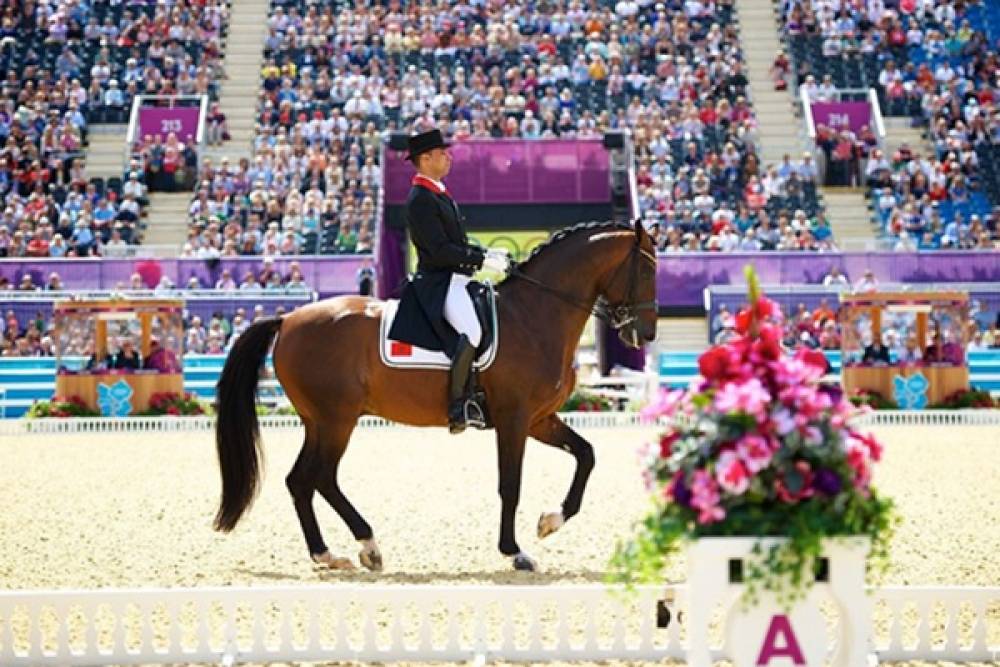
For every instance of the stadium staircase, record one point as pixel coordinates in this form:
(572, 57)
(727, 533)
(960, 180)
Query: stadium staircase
(777, 115)
(774, 108)
(105, 151)
(244, 59)
(167, 223)
(674, 334)
(238, 100)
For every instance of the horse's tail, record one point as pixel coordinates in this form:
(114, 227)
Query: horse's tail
(237, 435)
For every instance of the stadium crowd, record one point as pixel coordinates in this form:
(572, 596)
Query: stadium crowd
(337, 84)
(69, 64)
(936, 62)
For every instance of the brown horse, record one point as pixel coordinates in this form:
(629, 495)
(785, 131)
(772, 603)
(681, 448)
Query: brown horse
(327, 359)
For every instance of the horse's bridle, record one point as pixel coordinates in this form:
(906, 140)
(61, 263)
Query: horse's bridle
(619, 315)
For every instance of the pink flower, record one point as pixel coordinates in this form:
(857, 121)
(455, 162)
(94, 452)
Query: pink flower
(873, 445)
(755, 451)
(784, 421)
(750, 397)
(663, 405)
(731, 474)
(857, 459)
(705, 498)
(795, 372)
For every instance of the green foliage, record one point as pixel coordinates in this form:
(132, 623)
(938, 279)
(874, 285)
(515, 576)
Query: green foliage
(172, 403)
(583, 401)
(873, 399)
(60, 406)
(967, 398)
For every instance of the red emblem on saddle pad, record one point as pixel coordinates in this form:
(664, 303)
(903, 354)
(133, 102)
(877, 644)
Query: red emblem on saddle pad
(398, 349)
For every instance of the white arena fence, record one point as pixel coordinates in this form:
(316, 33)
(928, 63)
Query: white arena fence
(386, 623)
(167, 424)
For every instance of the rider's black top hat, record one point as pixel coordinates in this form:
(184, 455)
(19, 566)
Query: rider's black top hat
(421, 143)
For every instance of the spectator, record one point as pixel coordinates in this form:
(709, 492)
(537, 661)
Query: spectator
(867, 283)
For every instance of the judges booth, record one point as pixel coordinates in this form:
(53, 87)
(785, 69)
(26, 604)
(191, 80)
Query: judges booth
(115, 354)
(907, 346)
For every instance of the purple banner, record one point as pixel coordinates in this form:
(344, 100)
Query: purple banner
(26, 309)
(326, 275)
(842, 115)
(182, 121)
(509, 171)
(680, 279)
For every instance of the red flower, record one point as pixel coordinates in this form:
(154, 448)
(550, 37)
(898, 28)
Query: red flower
(812, 357)
(743, 321)
(172, 410)
(666, 444)
(765, 308)
(768, 344)
(714, 363)
(795, 484)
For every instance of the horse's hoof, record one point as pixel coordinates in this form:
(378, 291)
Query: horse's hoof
(370, 556)
(525, 563)
(549, 523)
(331, 562)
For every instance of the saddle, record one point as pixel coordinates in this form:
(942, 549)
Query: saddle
(397, 354)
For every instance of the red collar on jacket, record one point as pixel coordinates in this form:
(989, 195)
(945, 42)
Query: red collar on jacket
(424, 182)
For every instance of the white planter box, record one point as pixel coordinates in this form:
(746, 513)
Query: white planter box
(766, 634)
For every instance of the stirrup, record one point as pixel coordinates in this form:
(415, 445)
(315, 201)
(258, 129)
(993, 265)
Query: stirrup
(473, 414)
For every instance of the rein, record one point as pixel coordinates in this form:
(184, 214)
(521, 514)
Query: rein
(617, 316)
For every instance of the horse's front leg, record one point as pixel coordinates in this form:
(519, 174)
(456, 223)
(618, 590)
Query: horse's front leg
(510, 457)
(554, 432)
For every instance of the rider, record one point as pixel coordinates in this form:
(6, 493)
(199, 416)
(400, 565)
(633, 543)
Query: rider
(435, 310)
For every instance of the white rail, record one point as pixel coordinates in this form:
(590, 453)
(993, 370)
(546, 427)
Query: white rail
(15, 427)
(426, 623)
(207, 423)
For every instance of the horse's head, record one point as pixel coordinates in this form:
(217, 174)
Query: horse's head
(630, 293)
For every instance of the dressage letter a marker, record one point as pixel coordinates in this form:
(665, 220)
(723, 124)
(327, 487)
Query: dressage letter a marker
(790, 645)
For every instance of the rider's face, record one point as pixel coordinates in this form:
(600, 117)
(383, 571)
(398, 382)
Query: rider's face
(436, 163)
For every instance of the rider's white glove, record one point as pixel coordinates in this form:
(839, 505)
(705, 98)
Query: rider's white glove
(497, 260)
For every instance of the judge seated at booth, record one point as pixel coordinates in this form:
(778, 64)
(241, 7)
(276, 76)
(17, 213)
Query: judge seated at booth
(948, 352)
(128, 358)
(910, 353)
(161, 359)
(876, 353)
(94, 362)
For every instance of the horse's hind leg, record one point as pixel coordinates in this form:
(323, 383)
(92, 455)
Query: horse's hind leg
(301, 483)
(554, 432)
(334, 438)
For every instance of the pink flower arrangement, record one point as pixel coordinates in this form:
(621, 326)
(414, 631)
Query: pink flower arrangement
(757, 442)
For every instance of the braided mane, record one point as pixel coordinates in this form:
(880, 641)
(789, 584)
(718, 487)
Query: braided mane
(593, 225)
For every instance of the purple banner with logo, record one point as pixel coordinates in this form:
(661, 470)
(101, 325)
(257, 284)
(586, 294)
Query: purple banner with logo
(326, 275)
(842, 115)
(510, 171)
(680, 279)
(182, 121)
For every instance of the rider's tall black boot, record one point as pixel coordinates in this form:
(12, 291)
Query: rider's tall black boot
(461, 366)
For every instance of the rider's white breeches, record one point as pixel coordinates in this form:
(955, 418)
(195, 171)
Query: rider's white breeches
(460, 312)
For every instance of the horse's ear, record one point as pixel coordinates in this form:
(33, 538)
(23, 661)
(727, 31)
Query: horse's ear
(639, 230)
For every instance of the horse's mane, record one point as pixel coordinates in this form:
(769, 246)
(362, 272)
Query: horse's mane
(566, 232)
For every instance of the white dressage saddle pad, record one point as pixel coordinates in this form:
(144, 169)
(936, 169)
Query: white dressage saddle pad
(396, 354)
